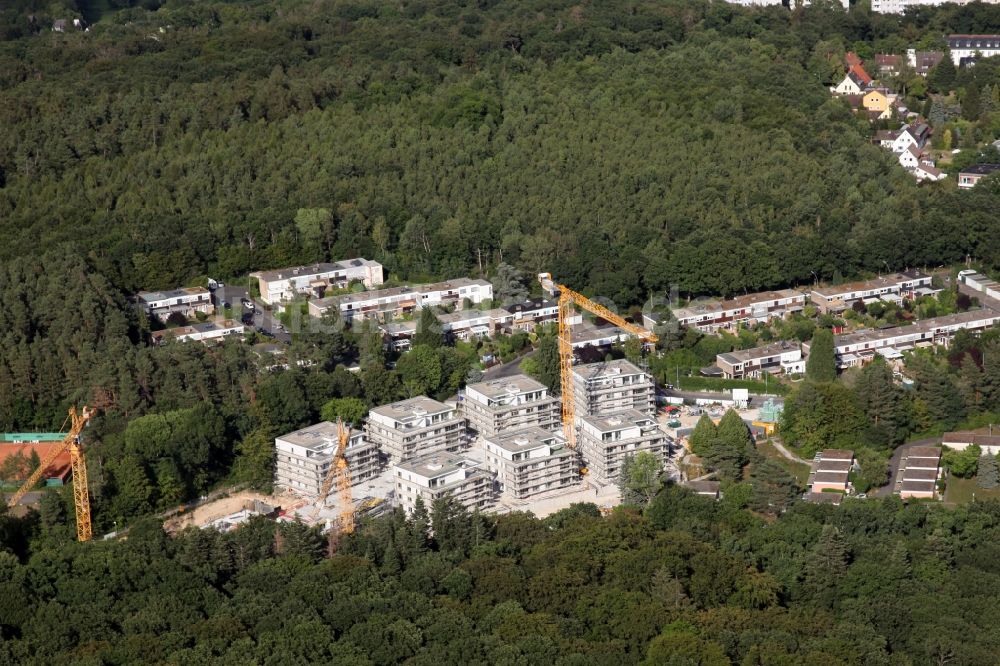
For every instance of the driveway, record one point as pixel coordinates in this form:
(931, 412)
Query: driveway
(505, 369)
(897, 455)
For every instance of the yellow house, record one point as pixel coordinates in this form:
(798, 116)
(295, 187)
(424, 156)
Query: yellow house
(875, 100)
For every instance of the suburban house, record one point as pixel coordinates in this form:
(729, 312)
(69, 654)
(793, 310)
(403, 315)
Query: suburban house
(530, 461)
(415, 427)
(286, 284)
(711, 316)
(303, 458)
(612, 386)
(831, 471)
(438, 475)
(507, 404)
(965, 49)
(919, 470)
(187, 301)
(837, 298)
(387, 304)
(778, 357)
(987, 439)
(980, 282)
(856, 349)
(475, 324)
(533, 312)
(888, 65)
(914, 135)
(909, 159)
(852, 84)
(887, 138)
(923, 61)
(880, 101)
(208, 331)
(605, 441)
(969, 176)
(925, 171)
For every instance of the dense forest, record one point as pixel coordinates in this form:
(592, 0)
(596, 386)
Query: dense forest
(684, 581)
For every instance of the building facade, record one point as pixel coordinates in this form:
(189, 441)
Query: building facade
(970, 176)
(779, 357)
(837, 298)
(831, 471)
(509, 404)
(530, 461)
(612, 386)
(188, 302)
(383, 305)
(208, 331)
(438, 475)
(712, 316)
(606, 441)
(303, 458)
(286, 284)
(416, 427)
(965, 49)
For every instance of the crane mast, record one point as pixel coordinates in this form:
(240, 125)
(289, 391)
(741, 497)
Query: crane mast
(81, 493)
(339, 473)
(567, 299)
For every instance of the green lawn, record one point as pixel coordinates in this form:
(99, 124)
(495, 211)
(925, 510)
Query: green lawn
(723, 385)
(961, 491)
(798, 470)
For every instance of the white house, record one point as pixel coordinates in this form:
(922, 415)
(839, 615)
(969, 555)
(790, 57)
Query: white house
(965, 47)
(187, 301)
(285, 284)
(852, 84)
(209, 331)
(928, 172)
(909, 159)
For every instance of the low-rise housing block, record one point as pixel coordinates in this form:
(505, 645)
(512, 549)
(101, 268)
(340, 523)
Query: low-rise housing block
(837, 298)
(711, 316)
(208, 331)
(778, 357)
(286, 284)
(386, 304)
(187, 301)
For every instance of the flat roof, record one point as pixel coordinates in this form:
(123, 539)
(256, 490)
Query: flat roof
(439, 464)
(918, 486)
(738, 303)
(919, 474)
(201, 327)
(703, 486)
(980, 169)
(837, 454)
(167, 294)
(312, 269)
(825, 498)
(513, 385)
(417, 289)
(604, 369)
(315, 437)
(620, 420)
(411, 408)
(773, 349)
(923, 452)
(830, 477)
(834, 466)
(468, 315)
(924, 326)
(527, 439)
(980, 437)
(890, 280)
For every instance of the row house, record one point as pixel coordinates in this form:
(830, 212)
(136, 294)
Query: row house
(779, 357)
(711, 316)
(384, 305)
(187, 301)
(207, 331)
(919, 471)
(855, 349)
(830, 471)
(837, 298)
(286, 284)
(966, 49)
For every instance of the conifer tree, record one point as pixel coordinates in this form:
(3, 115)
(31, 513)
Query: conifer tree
(821, 365)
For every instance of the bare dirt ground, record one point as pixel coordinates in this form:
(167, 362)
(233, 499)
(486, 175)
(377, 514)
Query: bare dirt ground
(205, 513)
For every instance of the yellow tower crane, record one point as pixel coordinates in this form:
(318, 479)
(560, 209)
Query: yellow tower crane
(339, 472)
(81, 494)
(567, 299)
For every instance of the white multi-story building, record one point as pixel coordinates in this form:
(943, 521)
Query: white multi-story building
(606, 441)
(386, 304)
(966, 48)
(781, 357)
(285, 284)
(432, 477)
(612, 386)
(208, 331)
(530, 461)
(303, 458)
(415, 427)
(507, 404)
(855, 349)
(187, 301)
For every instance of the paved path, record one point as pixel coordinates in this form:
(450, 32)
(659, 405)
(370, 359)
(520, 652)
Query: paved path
(986, 301)
(788, 454)
(886, 490)
(505, 369)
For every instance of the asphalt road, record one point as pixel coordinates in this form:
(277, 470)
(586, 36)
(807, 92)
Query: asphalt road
(505, 369)
(263, 321)
(886, 490)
